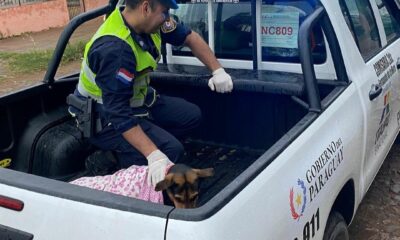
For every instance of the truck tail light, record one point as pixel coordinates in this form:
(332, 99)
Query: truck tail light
(11, 203)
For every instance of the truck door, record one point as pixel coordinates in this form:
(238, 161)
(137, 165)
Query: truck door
(377, 77)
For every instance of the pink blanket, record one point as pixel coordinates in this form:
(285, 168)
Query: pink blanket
(130, 182)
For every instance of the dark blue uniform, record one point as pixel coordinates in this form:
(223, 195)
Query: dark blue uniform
(166, 118)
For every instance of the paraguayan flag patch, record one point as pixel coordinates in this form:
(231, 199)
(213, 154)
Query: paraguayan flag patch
(125, 76)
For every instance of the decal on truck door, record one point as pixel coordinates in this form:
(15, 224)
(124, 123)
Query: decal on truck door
(298, 200)
(381, 134)
(324, 167)
(317, 176)
(383, 64)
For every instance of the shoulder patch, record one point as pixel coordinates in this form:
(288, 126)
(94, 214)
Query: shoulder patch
(125, 76)
(169, 25)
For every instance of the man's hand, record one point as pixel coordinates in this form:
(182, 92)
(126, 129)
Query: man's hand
(158, 163)
(221, 81)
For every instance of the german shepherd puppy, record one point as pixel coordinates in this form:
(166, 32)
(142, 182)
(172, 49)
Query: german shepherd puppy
(181, 184)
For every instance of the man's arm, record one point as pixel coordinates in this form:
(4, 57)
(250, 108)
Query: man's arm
(137, 138)
(157, 161)
(178, 34)
(202, 51)
(221, 81)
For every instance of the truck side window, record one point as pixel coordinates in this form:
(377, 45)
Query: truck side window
(195, 16)
(280, 23)
(360, 19)
(392, 29)
(232, 28)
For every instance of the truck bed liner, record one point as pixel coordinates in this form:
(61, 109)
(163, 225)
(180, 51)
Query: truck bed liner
(228, 162)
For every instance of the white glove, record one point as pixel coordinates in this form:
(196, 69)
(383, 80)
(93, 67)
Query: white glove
(221, 81)
(158, 163)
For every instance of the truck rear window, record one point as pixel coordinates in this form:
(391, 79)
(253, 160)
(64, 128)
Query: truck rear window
(232, 28)
(232, 22)
(280, 23)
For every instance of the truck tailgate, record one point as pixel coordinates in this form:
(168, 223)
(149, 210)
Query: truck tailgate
(57, 210)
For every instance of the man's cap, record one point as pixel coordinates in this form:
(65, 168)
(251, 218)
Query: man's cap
(169, 3)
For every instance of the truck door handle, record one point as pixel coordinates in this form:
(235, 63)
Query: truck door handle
(375, 91)
(398, 63)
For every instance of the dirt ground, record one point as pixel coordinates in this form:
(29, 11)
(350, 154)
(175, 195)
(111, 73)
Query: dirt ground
(378, 216)
(10, 81)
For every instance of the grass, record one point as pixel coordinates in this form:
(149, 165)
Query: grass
(37, 60)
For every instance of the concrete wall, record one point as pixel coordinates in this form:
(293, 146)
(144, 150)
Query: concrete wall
(91, 4)
(37, 17)
(33, 17)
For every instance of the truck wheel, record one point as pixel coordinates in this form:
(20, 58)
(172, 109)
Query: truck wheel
(336, 228)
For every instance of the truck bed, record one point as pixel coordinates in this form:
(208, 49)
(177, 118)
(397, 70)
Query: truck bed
(237, 128)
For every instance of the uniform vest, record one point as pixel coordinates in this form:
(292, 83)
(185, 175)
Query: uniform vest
(145, 63)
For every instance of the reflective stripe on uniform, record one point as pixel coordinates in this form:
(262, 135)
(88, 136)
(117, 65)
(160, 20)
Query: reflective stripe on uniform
(83, 92)
(91, 76)
(139, 90)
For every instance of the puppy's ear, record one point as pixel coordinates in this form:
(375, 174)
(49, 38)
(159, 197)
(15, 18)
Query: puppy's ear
(164, 184)
(206, 172)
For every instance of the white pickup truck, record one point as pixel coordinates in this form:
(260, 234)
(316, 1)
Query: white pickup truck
(314, 112)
